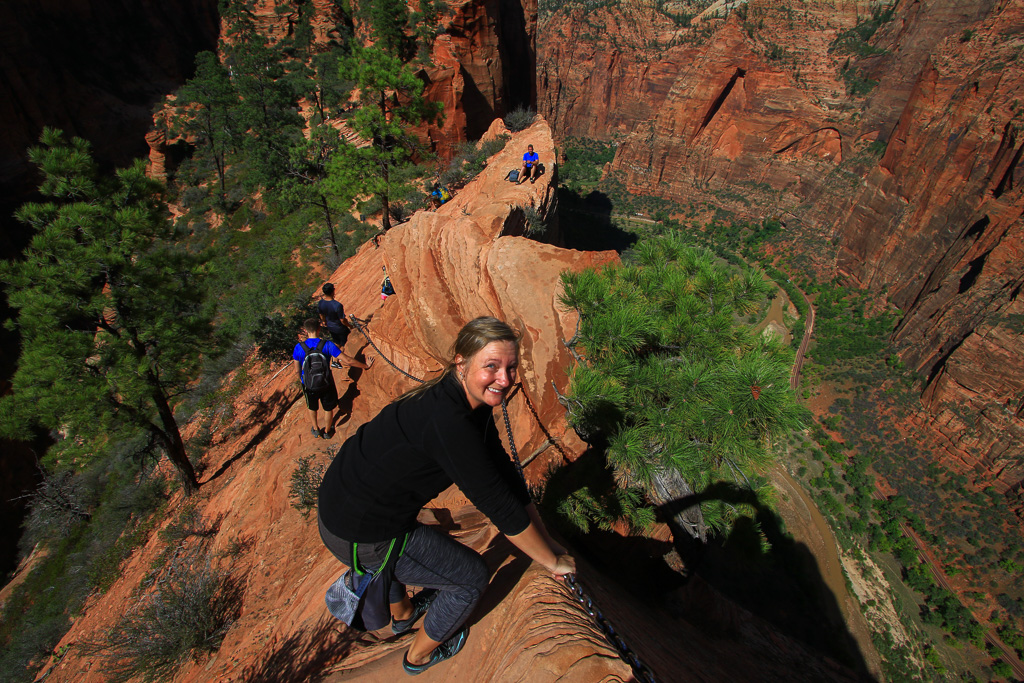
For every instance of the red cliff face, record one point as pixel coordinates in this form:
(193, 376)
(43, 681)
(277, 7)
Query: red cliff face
(469, 258)
(481, 64)
(912, 188)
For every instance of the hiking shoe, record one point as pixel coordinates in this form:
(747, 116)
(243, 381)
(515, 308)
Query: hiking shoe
(420, 602)
(315, 432)
(445, 650)
(336, 365)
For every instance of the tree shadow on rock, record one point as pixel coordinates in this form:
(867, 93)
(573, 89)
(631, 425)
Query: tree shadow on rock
(269, 413)
(586, 222)
(779, 581)
(304, 655)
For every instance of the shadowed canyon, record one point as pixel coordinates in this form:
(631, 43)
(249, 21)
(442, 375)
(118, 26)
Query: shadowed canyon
(884, 141)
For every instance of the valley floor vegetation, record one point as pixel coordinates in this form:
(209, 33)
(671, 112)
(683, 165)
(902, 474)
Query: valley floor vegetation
(862, 397)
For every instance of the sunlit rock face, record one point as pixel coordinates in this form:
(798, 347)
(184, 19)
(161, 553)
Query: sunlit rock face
(909, 188)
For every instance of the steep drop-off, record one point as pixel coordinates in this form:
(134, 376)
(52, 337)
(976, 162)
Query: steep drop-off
(893, 160)
(466, 259)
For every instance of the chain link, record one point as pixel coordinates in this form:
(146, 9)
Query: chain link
(359, 326)
(642, 672)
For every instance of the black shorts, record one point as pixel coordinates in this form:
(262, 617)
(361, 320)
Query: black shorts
(339, 338)
(327, 399)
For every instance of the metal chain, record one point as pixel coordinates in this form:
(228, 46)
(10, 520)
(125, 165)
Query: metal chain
(642, 672)
(387, 360)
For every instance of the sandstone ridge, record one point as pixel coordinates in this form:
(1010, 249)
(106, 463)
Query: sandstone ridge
(466, 259)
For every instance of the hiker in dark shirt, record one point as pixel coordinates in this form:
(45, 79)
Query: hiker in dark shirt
(332, 315)
(439, 433)
(531, 165)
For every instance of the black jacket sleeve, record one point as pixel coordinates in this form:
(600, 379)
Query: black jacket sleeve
(488, 480)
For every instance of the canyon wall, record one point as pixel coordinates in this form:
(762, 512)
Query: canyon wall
(468, 258)
(894, 163)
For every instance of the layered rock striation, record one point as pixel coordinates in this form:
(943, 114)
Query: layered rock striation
(887, 139)
(467, 259)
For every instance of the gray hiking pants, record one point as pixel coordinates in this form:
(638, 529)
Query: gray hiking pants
(432, 559)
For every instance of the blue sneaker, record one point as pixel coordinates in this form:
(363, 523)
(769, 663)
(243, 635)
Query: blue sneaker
(445, 650)
(420, 602)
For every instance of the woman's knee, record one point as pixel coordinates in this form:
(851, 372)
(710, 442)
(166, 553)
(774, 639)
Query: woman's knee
(477, 574)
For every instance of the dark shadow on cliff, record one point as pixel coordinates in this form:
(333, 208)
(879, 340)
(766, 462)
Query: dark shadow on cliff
(778, 581)
(586, 222)
(304, 655)
(268, 414)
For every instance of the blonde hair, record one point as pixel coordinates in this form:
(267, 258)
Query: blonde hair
(472, 338)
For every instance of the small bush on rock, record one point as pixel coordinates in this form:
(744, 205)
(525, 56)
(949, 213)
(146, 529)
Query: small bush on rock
(306, 483)
(519, 119)
(186, 614)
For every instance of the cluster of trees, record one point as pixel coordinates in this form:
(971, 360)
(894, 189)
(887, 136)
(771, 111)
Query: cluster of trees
(241, 109)
(124, 312)
(685, 398)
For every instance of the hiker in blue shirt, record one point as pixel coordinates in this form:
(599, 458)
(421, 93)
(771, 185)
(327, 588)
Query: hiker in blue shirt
(310, 358)
(531, 164)
(439, 195)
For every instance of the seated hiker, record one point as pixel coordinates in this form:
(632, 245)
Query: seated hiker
(438, 433)
(531, 166)
(311, 359)
(332, 316)
(439, 195)
(386, 289)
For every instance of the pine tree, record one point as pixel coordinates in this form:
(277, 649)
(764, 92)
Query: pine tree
(683, 395)
(266, 111)
(391, 103)
(205, 113)
(113, 317)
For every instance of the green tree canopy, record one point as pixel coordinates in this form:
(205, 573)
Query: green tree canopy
(682, 393)
(205, 112)
(391, 103)
(113, 316)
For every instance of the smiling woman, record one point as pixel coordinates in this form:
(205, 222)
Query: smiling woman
(437, 434)
(487, 375)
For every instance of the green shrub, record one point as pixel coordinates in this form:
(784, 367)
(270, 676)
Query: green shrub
(535, 224)
(306, 483)
(519, 119)
(469, 160)
(277, 334)
(187, 613)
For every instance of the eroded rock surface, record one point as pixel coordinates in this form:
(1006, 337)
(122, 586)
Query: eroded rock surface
(894, 164)
(464, 260)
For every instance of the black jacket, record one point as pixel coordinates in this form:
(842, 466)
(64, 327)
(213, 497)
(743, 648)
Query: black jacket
(412, 451)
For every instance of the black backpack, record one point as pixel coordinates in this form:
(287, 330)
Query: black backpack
(316, 368)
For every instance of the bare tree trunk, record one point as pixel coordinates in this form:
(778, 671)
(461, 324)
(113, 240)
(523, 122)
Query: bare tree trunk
(668, 491)
(171, 439)
(330, 222)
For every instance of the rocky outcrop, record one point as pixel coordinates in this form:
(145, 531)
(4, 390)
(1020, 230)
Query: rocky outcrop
(894, 163)
(466, 259)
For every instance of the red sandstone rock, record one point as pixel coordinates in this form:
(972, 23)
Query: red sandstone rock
(709, 114)
(466, 259)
